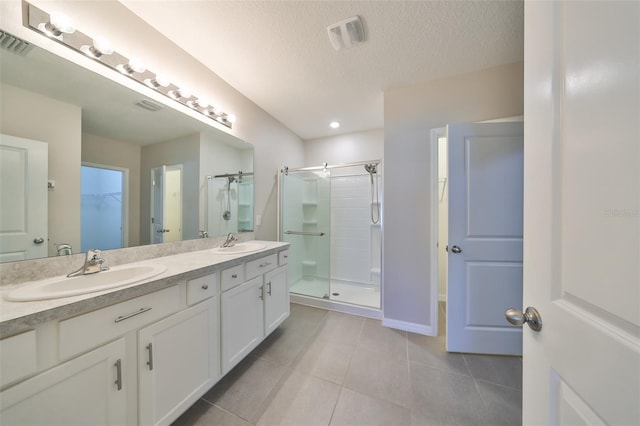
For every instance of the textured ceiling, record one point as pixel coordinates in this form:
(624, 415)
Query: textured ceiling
(278, 54)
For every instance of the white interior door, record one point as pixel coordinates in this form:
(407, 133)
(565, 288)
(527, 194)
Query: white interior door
(582, 213)
(485, 236)
(23, 198)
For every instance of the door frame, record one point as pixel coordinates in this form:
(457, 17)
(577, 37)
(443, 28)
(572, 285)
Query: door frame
(125, 196)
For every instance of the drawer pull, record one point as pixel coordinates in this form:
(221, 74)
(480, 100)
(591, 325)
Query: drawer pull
(261, 295)
(234, 276)
(285, 256)
(138, 312)
(150, 362)
(262, 265)
(269, 288)
(205, 286)
(118, 382)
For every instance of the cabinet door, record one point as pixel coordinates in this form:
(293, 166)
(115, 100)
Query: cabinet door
(177, 362)
(276, 304)
(242, 321)
(84, 391)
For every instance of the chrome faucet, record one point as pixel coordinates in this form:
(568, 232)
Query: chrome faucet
(93, 263)
(230, 241)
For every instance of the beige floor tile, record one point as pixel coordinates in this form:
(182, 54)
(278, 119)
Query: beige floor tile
(204, 414)
(341, 328)
(500, 370)
(302, 400)
(245, 389)
(388, 343)
(379, 377)
(444, 398)
(430, 351)
(357, 409)
(282, 346)
(325, 359)
(504, 404)
(304, 318)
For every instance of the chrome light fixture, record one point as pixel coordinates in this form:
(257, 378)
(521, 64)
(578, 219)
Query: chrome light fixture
(60, 28)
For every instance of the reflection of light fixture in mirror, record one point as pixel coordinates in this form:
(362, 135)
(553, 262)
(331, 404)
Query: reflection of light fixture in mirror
(157, 81)
(99, 47)
(199, 103)
(58, 23)
(134, 65)
(54, 25)
(180, 92)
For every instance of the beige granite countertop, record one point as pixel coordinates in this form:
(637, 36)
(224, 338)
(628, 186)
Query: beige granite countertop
(16, 317)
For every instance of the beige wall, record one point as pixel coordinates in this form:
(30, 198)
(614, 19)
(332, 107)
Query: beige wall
(410, 113)
(32, 116)
(346, 148)
(184, 151)
(110, 152)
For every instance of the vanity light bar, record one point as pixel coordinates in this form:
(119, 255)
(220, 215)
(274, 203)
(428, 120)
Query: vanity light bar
(59, 28)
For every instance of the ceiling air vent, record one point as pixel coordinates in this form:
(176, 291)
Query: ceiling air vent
(149, 105)
(347, 33)
(14, 44)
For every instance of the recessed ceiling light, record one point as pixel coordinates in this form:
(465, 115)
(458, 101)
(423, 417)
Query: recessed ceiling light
(334, 124)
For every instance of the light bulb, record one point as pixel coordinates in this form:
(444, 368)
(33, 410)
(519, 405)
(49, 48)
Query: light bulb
(158, 81)
(134, 65)
(58, 23)
(334, 124)
(101, 46)
(231, 118)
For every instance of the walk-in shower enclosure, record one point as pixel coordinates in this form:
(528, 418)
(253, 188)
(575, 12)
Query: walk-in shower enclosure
(331, 216)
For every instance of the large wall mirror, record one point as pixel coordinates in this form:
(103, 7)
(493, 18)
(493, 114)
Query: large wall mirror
(88, 163)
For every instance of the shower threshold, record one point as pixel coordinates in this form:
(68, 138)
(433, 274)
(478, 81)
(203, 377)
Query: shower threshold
(347, 292)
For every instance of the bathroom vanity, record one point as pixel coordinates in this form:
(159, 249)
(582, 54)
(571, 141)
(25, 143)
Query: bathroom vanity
(145, 352)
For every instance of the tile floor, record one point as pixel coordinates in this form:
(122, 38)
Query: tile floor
(329, 368)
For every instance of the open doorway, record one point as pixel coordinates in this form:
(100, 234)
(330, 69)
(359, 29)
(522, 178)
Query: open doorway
(103, 207)
(166, 204)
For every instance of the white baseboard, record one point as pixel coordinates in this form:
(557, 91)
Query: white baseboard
(427, 330)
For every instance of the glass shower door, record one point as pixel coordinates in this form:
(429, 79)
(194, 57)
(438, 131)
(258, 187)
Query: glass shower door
(305, 224)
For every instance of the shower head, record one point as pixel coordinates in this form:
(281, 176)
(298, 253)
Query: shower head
(371, 168)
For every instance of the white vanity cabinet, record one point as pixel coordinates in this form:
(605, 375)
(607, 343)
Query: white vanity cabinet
(178, 357)
(144, 360)
(253, 309)
(87, 390)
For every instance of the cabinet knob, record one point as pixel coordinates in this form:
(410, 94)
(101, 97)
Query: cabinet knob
(234, 276)
(205, 286)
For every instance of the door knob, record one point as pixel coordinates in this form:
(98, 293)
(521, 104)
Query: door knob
(38, 240)
(531, 316)
(456, 249)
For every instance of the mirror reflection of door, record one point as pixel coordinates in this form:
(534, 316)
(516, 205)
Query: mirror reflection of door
(102, 207)
(166, 204)
(23, 198)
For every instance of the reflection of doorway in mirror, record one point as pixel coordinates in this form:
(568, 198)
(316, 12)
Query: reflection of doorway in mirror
(166, 204)
(103, 204)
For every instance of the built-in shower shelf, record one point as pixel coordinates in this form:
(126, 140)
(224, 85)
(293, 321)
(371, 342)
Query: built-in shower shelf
(309, 204)
(244, 204)
(309, 263)
(310, 222)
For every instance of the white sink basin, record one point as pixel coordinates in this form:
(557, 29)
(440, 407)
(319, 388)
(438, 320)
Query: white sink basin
(239, 248)
(57, 287)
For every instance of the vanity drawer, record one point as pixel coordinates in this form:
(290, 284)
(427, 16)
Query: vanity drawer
(202, 288)
(231, 277)
(87, 331)
(283, 257)
(17, 357)
(261, 265)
